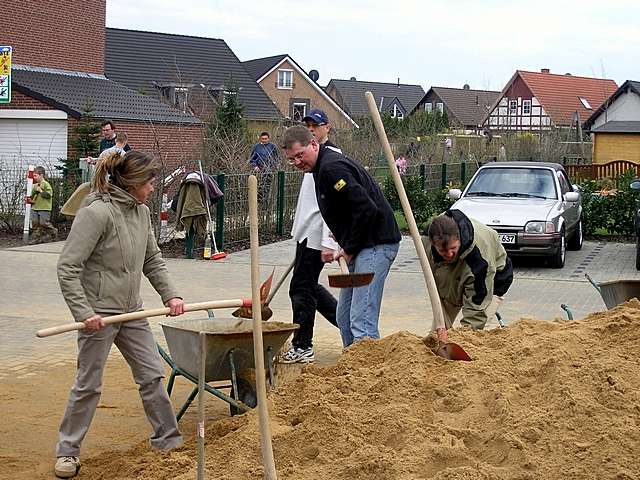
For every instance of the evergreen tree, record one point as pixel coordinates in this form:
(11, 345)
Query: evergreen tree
(84, 143)
(228, 116)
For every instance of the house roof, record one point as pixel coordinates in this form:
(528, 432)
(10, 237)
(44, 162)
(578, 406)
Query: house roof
(560, 95)
(71, 91)
(144, 60)
(618, 127)
(629, 85)
(261, 67)
(468, 106)
(351, 93)
(258, 67)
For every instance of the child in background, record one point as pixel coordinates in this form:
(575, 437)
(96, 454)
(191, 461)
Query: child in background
(41, 202)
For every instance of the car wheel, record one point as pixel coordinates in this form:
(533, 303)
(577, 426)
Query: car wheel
(557, 260)
(576, 239)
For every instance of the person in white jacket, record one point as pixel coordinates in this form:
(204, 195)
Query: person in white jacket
(315, 247)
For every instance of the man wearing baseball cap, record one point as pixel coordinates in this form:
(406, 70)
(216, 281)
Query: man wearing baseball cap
(314, 247)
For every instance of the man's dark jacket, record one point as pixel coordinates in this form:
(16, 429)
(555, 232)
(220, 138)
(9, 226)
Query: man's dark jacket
(351, 203)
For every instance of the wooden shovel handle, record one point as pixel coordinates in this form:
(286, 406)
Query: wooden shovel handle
(156, 312)
(344, 268)
(436, 307)
(258, 346)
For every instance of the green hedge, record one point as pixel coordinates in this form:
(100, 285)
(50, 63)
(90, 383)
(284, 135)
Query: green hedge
(424, 204)
(614, 213)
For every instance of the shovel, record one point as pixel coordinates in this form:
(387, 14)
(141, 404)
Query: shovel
(346, 279)
(265, 296)
(156, 312)
(444, 349)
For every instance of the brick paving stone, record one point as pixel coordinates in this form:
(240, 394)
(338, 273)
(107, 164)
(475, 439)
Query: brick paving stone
(537, 291)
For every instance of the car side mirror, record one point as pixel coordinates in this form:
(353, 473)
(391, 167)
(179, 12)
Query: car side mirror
(572, 196)
(455, 193)
(635, 185)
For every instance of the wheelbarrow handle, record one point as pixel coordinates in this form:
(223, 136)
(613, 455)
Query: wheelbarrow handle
(156, 312)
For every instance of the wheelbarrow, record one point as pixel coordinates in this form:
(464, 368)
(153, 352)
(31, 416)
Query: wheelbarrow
(229, 356)
(616, 292)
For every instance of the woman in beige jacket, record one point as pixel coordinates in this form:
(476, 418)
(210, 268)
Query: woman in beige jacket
(110, 246)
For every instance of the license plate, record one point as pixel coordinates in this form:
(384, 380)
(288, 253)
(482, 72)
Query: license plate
(507, 238)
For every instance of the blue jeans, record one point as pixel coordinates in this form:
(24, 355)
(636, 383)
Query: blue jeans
(359, 308)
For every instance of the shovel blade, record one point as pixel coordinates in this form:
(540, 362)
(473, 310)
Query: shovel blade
(453, 351)
(350, 280)
(246, 312)
(265, 288)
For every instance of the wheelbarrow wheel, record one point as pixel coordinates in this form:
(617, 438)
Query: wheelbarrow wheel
(246, 394)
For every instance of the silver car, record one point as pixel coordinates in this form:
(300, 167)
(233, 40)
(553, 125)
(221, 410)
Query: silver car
(532, 205)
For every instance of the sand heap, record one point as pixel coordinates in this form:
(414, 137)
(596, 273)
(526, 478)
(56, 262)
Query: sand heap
(541, 400)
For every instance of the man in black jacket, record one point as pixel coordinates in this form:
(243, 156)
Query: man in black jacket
(362, 222)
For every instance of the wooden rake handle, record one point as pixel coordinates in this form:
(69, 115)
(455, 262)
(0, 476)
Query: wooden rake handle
(156, 312)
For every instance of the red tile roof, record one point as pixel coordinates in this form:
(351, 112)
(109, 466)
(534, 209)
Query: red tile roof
(560, 94)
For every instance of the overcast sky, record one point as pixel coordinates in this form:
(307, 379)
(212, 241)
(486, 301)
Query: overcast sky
(430, 42)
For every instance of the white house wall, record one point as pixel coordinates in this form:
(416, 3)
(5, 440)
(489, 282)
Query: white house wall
(502, 119)
(625, 108)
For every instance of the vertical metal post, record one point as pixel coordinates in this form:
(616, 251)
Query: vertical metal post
(220, 213)
(234, 376)
(463, 172)
(423, 175)
(272, 377)
(444, 175)
(201, 382)
(280, 204)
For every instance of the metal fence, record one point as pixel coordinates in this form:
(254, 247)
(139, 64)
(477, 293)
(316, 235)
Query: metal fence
(278, 196)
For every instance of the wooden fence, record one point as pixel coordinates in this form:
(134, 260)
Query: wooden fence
(611, 170)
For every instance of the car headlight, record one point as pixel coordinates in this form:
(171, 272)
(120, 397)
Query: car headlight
(539, 227)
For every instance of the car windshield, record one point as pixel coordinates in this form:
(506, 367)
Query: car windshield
(513, 182)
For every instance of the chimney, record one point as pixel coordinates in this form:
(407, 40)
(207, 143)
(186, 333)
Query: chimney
(544, 70)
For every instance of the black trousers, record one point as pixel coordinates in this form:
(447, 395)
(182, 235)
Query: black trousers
(307, 296)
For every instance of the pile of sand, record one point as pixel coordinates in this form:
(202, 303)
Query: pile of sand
(540, 400)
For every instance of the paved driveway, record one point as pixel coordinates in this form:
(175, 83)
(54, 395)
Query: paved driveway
(31, 298)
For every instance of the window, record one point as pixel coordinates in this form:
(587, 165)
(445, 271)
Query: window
(440, 107)
(299, 111)
(513, 107)
(526, 107)
(428, 107)
(586, 104)
(523, 182)
(285, 79)
(397, 113)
